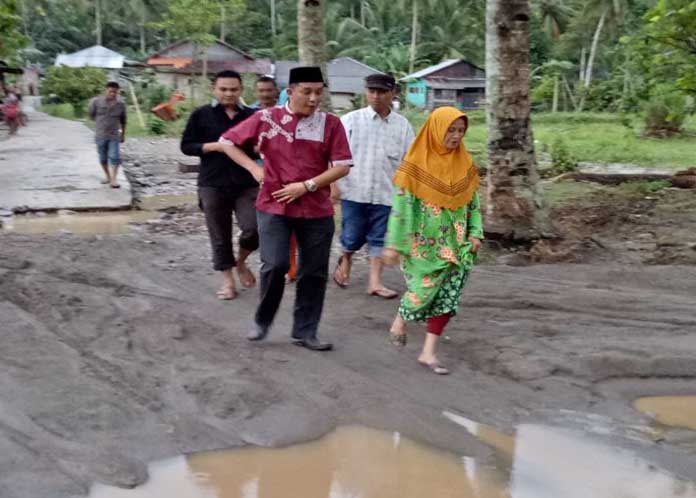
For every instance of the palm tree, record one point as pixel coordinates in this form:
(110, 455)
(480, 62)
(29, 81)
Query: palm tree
(311, 38)
(554, 15)
(514, 206)
(611, 10)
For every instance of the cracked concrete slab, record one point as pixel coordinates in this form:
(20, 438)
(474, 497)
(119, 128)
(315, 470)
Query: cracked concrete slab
(52, 164)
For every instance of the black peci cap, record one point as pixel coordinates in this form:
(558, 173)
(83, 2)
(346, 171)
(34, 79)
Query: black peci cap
(306, 74)
(381, 82)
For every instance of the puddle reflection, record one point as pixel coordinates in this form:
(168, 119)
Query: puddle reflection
(106, 223)
(548, 462)
(675, 411)
(352, 462)
(356, 462)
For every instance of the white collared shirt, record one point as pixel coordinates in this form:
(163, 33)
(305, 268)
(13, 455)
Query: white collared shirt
(378, 145)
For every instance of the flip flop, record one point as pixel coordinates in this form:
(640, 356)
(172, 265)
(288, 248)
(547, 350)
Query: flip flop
(398, 340)
(226, 294)
(384, 293)
(435, 368)
(343, 282)
(116, 186)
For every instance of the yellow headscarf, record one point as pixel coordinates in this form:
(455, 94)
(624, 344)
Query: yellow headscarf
(434, 174)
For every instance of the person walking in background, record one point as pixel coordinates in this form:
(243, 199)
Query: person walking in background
(304, 151)
(435, 228)
(108, 112)
(224, 187)
(10, 111)
(266, 91)
(379, 138)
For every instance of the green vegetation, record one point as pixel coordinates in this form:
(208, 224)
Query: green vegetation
(596, 137)
(74, 85)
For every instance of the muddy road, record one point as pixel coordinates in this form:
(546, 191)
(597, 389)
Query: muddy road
(115, 353)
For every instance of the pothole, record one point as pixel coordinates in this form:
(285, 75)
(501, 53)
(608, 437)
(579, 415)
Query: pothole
(350, 462)
(673, 411)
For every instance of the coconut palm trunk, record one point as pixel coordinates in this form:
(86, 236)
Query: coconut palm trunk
(414, 37)
(98, 20)
(514, 208)
(593, 49)
(311, 39)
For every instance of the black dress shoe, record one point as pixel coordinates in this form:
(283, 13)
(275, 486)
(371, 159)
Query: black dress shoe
(258, 333)
(314, 344)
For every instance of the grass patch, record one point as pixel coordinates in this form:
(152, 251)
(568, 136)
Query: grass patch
(64, 111)
(590, 137)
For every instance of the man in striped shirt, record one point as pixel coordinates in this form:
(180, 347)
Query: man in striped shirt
(379, 138)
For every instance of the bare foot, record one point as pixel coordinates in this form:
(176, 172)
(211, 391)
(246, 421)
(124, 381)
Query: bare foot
(246, 277)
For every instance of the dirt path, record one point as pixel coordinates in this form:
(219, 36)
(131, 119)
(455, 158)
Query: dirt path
(115, 353)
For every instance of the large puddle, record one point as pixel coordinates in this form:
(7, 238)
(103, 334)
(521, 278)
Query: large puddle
(356, 462)
(675, 411)
(95, 223)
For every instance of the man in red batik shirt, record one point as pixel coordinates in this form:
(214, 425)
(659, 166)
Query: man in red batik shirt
(304, 151)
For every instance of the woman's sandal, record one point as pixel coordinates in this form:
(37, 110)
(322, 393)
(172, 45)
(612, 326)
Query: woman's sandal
(384, 293)
(435, 368)
(398, 340)
(226, 294)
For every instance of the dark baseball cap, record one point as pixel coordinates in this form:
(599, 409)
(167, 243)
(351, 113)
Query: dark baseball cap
(380, 82)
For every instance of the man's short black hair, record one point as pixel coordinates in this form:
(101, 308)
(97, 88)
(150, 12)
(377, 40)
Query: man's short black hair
(227, 73)
(267, 79)
(113, 84)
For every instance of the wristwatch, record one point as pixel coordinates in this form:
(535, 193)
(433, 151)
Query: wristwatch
(310, 185)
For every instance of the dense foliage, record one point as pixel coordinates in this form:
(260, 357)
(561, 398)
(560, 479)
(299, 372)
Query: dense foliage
(587, 55)
(73, 85)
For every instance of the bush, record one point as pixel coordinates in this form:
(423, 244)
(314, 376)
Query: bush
(154, 94)
(665, 114)
(74, 85)
(562, 161)
(157, 126)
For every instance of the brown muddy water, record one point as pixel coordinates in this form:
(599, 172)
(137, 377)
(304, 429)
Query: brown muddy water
(675, 411)
(95, 223)
(357, 462)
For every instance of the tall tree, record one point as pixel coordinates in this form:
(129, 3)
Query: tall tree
(514, 204)
(10, 22)
(608, 10)
(193, 20)
(98, 21)
(311, 39)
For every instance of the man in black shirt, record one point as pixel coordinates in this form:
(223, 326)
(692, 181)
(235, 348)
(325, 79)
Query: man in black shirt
(223, 185)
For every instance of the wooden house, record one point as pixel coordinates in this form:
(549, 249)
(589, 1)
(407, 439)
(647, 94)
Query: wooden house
(174, 65)
(454, 82)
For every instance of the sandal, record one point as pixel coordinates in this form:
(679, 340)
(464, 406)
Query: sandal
(384, 293)
(338, 273)
(398, 340)
(226, 294)
(435, 368)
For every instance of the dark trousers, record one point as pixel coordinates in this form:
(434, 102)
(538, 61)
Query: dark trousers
(218, 204)
(314, 237)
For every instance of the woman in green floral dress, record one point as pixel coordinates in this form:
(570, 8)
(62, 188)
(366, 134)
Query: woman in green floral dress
(435, 228)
